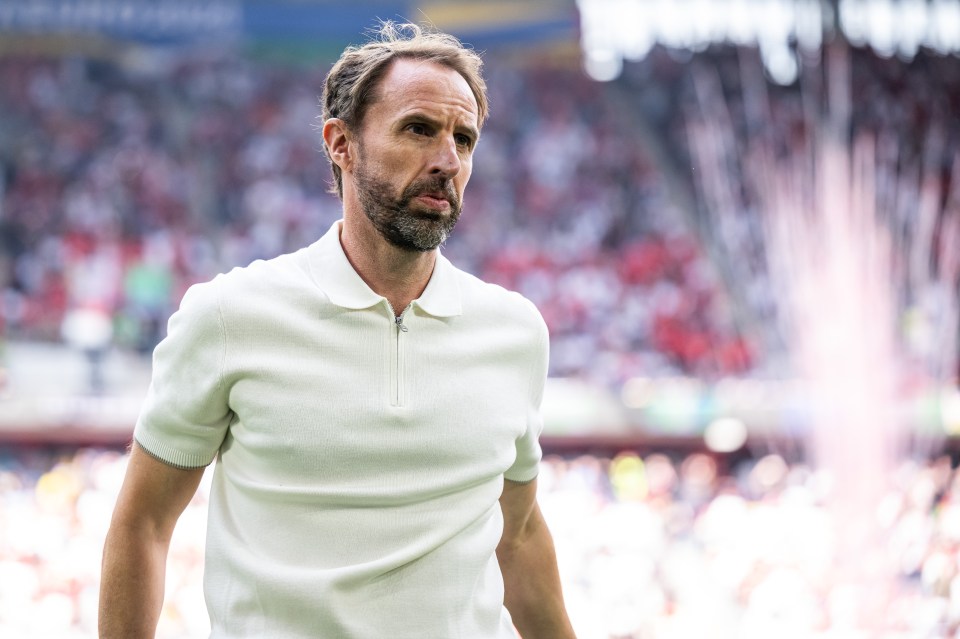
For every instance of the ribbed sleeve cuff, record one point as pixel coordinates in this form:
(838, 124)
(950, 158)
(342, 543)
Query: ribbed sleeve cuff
(167, 454)
(522, 478)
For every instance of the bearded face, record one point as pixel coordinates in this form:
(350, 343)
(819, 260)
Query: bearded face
(404, 220)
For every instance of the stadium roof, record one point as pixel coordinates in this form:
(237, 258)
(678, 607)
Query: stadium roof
(482, 23)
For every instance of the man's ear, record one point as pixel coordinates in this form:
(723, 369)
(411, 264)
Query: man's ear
(337, 138)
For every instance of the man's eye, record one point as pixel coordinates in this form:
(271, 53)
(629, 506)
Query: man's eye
(417, 129)
(465, 141)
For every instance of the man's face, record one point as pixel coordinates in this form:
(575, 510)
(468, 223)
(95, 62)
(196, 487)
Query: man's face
(414, 153)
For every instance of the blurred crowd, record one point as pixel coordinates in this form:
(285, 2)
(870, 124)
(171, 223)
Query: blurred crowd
(123, 181)
(752, 153)
(664, 546)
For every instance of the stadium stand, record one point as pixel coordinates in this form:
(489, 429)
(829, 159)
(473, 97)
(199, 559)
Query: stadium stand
(124, 188)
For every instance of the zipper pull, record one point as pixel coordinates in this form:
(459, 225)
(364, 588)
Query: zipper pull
(401, 325)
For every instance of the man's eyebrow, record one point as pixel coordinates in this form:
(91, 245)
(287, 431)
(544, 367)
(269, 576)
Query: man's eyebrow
(418, 116)
(472, 131)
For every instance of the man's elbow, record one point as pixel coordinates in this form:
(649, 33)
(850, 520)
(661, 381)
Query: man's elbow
(531, 531)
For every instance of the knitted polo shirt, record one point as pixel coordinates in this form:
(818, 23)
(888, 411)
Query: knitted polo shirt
(359, 459)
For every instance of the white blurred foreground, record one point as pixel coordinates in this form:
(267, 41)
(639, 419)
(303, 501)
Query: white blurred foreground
(648, 547)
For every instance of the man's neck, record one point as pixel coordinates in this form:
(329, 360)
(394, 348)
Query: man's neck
(398, 275)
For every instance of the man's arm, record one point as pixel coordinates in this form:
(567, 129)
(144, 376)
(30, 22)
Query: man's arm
(135, 553)
(528, 562)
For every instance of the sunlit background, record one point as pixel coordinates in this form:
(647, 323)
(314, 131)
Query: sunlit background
(739, 218)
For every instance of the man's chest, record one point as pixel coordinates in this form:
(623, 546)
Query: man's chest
(370, 396)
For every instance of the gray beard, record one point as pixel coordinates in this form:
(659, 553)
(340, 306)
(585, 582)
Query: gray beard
(411, 230)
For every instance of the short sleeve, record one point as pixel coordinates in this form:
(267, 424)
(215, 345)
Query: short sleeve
(527, 464)
(185, 415)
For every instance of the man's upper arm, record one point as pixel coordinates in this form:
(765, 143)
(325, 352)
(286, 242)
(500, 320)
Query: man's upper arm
(518, 502)
(528, 451)
(186, 413)
(154, 494)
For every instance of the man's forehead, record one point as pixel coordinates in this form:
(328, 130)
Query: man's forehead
(408, 80)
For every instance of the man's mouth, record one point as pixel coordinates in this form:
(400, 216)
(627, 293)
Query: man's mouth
(435, 200)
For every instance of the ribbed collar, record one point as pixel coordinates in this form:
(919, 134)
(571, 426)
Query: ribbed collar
(335, 276)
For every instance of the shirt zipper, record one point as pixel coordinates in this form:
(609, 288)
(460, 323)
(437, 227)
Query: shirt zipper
(397, 395)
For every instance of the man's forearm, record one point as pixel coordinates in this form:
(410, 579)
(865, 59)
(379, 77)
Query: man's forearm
(531, 581)
(131, 584)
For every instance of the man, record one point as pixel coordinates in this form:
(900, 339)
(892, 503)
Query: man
(372, 409)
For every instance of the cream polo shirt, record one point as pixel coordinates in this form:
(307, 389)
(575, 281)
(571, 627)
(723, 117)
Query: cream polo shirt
(359, 461)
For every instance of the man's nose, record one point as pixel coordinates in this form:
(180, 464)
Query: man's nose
(446, 160)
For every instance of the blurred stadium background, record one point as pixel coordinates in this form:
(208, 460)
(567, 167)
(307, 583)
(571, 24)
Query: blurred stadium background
(636, 180)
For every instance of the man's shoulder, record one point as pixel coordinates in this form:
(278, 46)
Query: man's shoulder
(495, 300)
(289, 269)
(257, 285)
